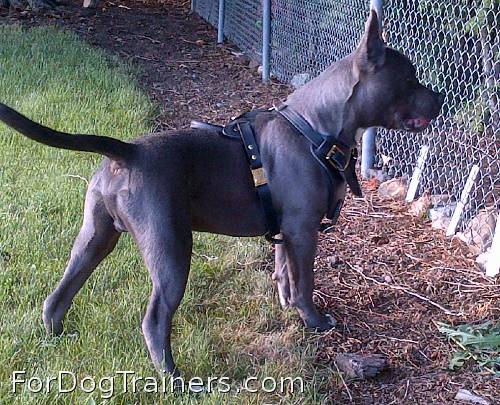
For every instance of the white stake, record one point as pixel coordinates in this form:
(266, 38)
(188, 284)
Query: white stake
(463, 200)
(417, 173)
(493, 263)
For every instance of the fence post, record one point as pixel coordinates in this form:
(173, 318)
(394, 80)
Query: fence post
(368, 148)
(220, 28)
(493, 264)
(417, 173)
(457, 214)
(266, 39)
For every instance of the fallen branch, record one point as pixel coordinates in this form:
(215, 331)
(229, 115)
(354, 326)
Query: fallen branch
(406, 290)
(343, 381)
(361, 366)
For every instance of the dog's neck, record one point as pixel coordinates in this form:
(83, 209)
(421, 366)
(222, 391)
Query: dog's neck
(326, 102)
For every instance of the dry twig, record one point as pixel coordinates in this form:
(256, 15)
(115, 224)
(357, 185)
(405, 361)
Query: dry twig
(406, 290)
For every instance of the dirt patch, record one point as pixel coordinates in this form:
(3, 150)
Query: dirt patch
(181, 66)
(386, 276)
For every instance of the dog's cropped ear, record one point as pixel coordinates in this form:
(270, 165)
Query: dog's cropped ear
(370, 53)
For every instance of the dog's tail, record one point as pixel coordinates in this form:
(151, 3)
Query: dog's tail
(110, 147)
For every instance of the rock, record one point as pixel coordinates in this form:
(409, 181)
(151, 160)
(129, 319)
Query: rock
(372, 184)
(441, 223)
(439, 199)
(442, 211)
(300, 79)
(260, 69)
(253, 64)
(361, 365)
(395, 188)
(332, 260)
(468, 396)
(482, 259)
(441, 216)
(378, 174)
(478, 233)
(419, 208)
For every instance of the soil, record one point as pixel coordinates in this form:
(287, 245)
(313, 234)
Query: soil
(386, 276)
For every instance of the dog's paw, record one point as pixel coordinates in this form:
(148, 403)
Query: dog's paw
(331, 321)
(326, 322)
(52, 324)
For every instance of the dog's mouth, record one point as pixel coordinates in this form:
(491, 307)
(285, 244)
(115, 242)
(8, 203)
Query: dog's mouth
(415, 124)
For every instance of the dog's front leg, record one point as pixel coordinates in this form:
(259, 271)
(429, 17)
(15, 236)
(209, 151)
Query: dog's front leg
(280, 276)
(300, 248)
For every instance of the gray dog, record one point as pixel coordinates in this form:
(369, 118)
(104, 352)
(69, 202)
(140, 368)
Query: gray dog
(163, 186)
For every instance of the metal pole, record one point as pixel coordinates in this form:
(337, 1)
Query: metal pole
(193, 6)
(368, 155)
(368, 152)
(220, 29)
(266, 39)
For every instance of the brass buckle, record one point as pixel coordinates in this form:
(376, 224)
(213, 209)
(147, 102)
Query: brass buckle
(333, 150)
(334, 162)
(259, 177)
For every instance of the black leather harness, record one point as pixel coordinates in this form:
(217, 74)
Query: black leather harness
(337, 159)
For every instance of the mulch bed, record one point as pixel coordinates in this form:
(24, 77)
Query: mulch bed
(389, 277)
(386, 276)
(181, 66)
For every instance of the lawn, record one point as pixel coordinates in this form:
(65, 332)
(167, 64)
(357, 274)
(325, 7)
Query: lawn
(229, 323)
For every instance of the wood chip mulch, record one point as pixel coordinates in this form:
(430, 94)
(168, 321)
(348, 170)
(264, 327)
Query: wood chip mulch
(388, 277)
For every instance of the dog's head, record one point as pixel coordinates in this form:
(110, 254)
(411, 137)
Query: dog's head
(388, 92)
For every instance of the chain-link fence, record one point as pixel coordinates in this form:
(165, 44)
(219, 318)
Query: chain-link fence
(242, 22)
(455, 46)
(308, 36)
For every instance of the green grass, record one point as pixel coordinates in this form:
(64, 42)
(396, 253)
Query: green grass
(229, 323)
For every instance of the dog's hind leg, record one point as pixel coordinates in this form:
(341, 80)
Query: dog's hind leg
(280, 275)
(166, 248)
(97, 238)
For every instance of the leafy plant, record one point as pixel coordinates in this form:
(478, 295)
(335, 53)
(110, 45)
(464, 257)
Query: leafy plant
(480, 343)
